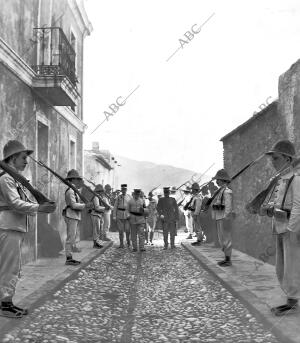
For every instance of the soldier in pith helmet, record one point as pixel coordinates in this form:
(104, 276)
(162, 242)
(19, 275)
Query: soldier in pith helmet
(72, 215)
(195, 208)
(222, 214)
(187, 212)
(14, 209)
(107, 212)
(283, 205)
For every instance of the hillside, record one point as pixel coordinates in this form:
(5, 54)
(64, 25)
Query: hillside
(147, 175)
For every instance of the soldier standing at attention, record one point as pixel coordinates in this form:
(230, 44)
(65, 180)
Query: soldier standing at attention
(284, 208)
(151, 220)
(97, 218)
(195, 208)
(15, 207)
(167, 209)
(187, 213)
(137, 211)
(121, 215)
(72, 214)
(107, 211)
(222, 214)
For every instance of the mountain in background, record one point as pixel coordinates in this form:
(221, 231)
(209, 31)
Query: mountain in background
(147, 175)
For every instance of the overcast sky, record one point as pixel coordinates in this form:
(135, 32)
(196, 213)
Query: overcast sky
(212, 84)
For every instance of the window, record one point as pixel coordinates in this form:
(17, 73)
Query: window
(72, 154)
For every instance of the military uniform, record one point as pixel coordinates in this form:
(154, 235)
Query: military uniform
(72, 219)
(168, 211)
(188, 215)
(284, 202)
(107, 212)
(97, 218)
(15, 207)
(223, 219)
(152, 217)
(195, 211)
(136, 208)
(121, 215)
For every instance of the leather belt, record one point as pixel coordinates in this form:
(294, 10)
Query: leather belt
(121, 209)
(136, 214)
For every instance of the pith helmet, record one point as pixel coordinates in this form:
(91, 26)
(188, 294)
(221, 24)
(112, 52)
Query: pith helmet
(187, 189)
(14, 147)
(284, 147)
(99, 188)
(173, 189)
(222, 175)
(73, 174)
(107, 187)
(195, 186)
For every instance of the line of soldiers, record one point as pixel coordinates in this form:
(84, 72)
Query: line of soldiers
(281, 202)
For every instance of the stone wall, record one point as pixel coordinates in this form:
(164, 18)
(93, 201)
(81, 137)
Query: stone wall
(280, 120)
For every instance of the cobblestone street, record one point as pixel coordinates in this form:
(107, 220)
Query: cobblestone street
(156, 296)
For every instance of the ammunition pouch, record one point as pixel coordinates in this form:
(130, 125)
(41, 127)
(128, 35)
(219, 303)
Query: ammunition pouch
(218, 207)
(282, 214)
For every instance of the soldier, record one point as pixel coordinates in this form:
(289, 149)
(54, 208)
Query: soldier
(222, 214)
(121, 215)
(137, 211)
(107, 212)
(72, 214)
(169, 215)
(97, 218)
(195, 208)
(284, 206)
(151, 220)
(187, 212)
(15, 209)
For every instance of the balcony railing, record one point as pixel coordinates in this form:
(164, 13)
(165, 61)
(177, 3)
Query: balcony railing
(55, 55)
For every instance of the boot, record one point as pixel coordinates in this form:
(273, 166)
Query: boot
(97, 245)
(121, 237)
(226, 263)
(72, 262)
(128, 238)
(290, 307)
(172, 241)
(151, 237)
(146, 237)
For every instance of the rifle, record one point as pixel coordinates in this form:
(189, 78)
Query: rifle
(39, 196)
(90, 181)
(254, 205)
(210, 200)
(153, 189)
(185, 182)
(102, 201)
(200, 177)
(63, 180)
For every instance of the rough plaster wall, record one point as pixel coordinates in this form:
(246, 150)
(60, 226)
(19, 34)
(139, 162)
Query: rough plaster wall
(252, 234)
(17, 20)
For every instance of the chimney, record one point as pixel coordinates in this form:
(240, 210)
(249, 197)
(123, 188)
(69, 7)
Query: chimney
(95, 146)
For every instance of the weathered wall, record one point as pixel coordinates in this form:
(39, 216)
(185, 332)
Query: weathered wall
(252, 234)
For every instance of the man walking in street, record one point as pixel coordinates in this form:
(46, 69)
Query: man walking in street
(137, 211)
(222, 214)
(151, 219)
(283, 205)
(121, 215)
(72, 214)
(195, 208)
(169, 215)
(15, 209)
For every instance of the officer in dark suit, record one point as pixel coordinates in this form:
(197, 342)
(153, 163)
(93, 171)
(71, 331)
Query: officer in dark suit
(167, 209)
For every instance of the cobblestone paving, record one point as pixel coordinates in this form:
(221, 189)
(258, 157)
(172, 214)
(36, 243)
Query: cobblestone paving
(156, 296)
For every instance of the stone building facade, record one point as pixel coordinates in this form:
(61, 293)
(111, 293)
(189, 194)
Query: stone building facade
(280, 120)
(41, 84)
